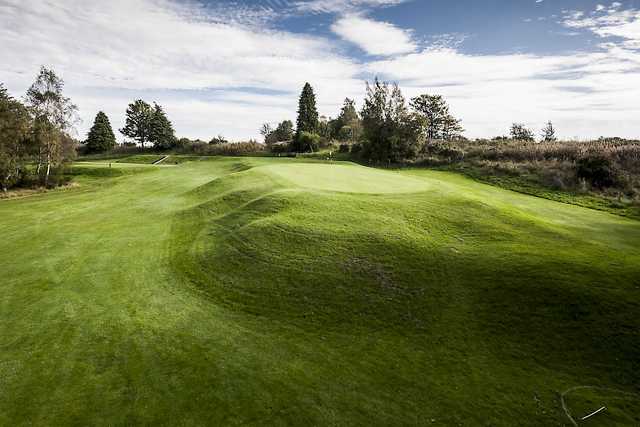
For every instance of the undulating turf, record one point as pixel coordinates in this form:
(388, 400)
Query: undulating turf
(274, 291)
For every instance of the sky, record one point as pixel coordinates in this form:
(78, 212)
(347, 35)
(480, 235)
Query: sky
(225, 67)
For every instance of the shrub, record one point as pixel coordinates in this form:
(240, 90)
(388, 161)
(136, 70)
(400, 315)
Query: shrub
(344, 148)
(227, 149)
(308, 141)
(217, 140)
(280, 147)
(598, 170)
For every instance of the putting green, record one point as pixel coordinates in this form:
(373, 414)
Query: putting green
(347, 179)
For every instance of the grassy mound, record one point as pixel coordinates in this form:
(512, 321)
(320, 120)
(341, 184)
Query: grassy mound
(269, 291)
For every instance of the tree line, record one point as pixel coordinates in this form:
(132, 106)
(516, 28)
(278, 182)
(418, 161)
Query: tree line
(35, 140)
(386, 129)
(36, 132)
(145, 124)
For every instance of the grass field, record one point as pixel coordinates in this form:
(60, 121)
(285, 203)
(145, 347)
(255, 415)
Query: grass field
(279, 292)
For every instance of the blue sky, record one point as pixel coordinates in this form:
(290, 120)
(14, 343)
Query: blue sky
(224, 67)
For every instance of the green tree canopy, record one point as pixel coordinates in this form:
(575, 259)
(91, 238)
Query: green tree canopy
(549, 133)
(53, 115)
(161, 132)
(15, 124)
(347, 126)
(439, 122)
(307, 113)
(391, 133)
(138, 123)
(520, 132)
(284, 131)
(100, 137)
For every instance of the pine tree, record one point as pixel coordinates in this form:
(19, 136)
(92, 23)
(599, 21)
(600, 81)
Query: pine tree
(138, 123)
(161, 132)
(347, 125)
(549, 133)
(307, 113)
(100, 137)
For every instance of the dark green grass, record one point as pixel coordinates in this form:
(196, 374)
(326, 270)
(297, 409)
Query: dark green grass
(273, 291)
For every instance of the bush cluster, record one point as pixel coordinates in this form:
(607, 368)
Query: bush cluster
(601, 165)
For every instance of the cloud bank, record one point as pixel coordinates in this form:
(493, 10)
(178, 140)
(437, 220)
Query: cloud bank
(215, 74)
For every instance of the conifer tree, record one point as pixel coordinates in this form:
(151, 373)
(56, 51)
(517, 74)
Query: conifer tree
(549, 133)
(347, 125)
(100, 137)
(307, 113)
(161, 132)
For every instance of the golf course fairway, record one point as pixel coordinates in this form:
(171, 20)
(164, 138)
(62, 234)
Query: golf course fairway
(249, 291)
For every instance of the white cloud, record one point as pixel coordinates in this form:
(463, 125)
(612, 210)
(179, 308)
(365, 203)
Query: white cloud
(158, 45)
(587, 94)
(341, 6)
(115, 51)
(374, 37)
(614, 22)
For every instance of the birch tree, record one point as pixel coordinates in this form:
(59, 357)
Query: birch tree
(54, 115)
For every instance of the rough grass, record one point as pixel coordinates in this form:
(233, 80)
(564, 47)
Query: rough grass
(272, 291)
(549, 169)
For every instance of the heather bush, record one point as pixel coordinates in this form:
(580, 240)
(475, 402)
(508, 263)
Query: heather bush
(604, 165)
(598, 170)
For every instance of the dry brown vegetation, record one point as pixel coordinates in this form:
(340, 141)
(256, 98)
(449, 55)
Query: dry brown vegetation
(608, 168)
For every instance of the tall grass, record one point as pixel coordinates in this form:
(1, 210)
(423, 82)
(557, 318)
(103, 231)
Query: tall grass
(606, 168)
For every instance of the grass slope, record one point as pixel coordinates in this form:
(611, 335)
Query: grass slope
(271, 291)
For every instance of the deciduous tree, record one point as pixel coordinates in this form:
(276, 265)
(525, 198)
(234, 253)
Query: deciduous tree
(138, 122)
(54, 115)
(391, 133)
(520, 132)
(439, 122)
(15, 125)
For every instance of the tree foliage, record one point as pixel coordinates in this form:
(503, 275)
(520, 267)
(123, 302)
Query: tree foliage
(147, 124)
(549, 133)
(100, 137)
(391, 133)
(53, 116)
(347, 127)
(217, 140)
(438, 121)
(265, 130)
(308, 141)
(283, 132)
(15, 125)
(520, 132)
(307, 115)
(138, 122)
(161, 133)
